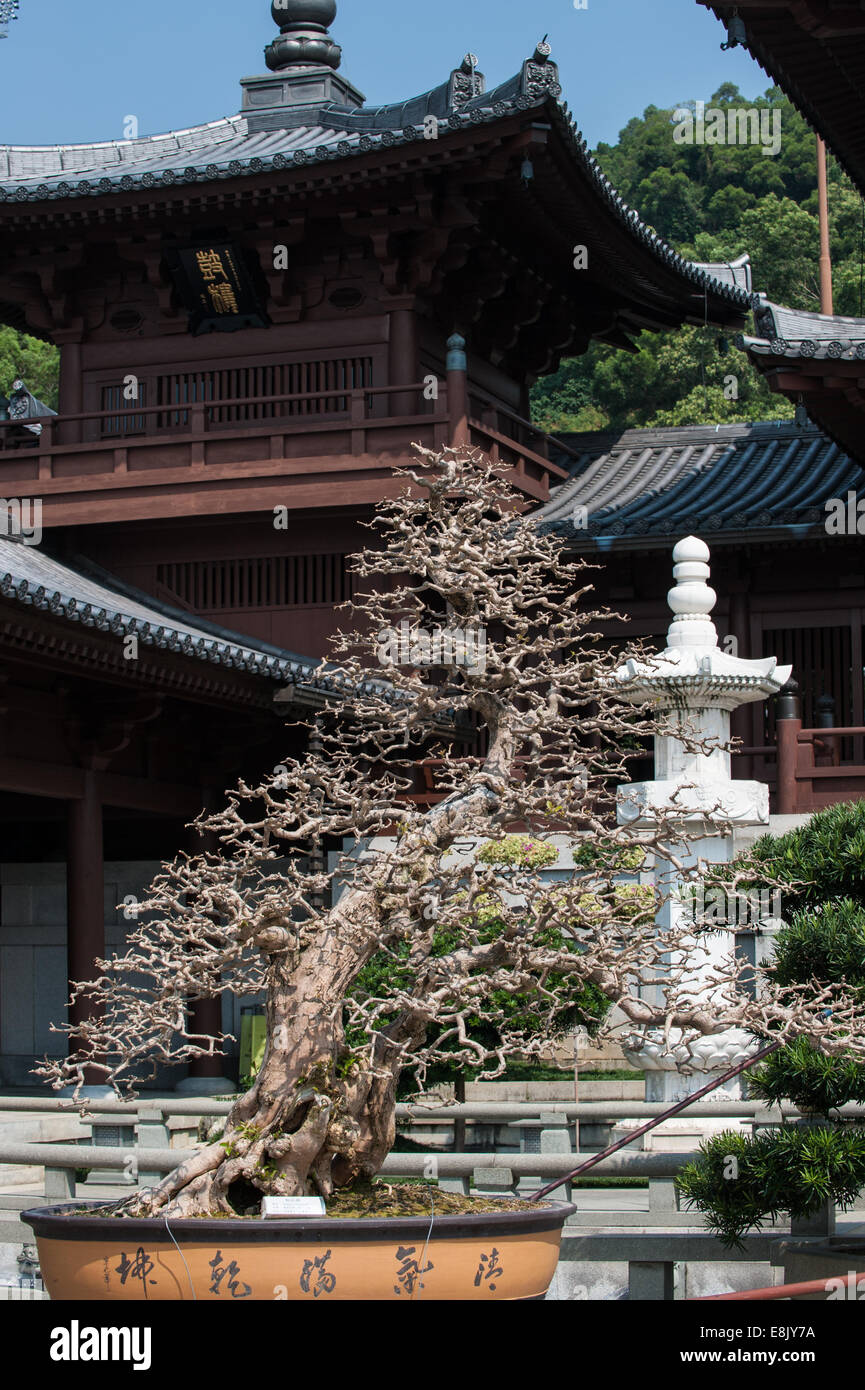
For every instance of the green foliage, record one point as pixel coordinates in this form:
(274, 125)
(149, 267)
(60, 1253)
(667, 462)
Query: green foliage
(248, 1131)
(711, 202)
(37, 363)
(796, 1168)
(827, 855)
(584, 1004)
(580, 1004)
(679, 377)
(611, 858)
(822, 942)
(740, 1182)
(825, 943)
(517, 851)
(808, 1078)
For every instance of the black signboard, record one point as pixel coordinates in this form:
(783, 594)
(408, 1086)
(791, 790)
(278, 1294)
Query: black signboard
(216, 287)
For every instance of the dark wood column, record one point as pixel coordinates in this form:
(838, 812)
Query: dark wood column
(747, 719)
(402, 360)
(205, 1014)
(85, 896)
(207, 1018)
(70, 395)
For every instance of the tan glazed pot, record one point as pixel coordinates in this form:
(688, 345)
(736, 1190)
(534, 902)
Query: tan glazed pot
(509, 1255)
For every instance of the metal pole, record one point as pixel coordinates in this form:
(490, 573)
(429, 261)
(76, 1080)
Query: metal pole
(825, 255)
(659, 1119)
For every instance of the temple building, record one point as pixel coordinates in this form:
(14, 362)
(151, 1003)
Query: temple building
(787, 585)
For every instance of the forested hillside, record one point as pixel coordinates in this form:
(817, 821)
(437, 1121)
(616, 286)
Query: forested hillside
(712, 202)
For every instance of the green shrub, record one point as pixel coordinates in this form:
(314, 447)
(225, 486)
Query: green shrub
(826, 856)
(808, 1078)
(740, 1182)
(825, 943)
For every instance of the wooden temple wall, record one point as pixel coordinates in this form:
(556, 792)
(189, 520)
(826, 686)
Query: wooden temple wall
(33, 959)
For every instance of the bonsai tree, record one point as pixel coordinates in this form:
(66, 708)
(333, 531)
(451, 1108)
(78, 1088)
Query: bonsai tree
(411, 948)
(741, 1182)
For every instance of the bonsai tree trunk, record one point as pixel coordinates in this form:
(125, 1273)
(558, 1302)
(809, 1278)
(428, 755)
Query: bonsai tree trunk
(314, 1119)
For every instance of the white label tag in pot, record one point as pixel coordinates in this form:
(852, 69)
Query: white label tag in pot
(292, 1206)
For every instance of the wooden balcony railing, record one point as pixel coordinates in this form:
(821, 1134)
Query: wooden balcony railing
(811, 774)
(86, 458)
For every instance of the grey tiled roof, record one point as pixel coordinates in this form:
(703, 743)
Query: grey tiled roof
(86, 595)
(782, 332)
(206, 151)
(699, 478)
(228, 148)
(736, 273)
(89, 597)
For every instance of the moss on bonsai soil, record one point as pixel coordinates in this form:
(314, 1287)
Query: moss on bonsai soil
(377, 1199)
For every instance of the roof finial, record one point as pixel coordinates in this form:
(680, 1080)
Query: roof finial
(691, 598)
(542, 51)
(303, 40)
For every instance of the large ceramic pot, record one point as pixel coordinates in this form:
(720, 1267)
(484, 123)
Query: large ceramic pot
(491, 1255)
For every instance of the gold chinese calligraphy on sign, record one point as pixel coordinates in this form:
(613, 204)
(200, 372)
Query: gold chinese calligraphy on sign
(223, 299)
(210, 265)
(217, 287)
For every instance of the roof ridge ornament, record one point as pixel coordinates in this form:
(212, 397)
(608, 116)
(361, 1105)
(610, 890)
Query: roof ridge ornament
(540, 76)
(466, 83)
(303, 87)
(303, 39)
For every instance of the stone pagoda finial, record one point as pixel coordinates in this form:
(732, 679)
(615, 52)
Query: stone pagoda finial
(693, 670)
(692, 600)
(303, 39)
(303, 81)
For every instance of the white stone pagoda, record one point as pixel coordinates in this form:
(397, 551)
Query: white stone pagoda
(694, 685)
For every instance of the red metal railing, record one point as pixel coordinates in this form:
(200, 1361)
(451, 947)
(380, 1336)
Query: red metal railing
(776, 1291)
(658, 1120)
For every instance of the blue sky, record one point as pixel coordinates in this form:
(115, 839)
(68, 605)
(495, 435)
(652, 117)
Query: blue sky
(71, 70)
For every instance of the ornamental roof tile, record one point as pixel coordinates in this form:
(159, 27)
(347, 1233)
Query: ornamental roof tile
(93, 599)
(797, 333)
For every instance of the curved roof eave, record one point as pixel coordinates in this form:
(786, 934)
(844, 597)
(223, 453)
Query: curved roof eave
(226, 150)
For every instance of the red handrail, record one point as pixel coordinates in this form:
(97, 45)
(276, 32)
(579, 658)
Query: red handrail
(812, 735)
(784, 1290)
(659, 1119)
